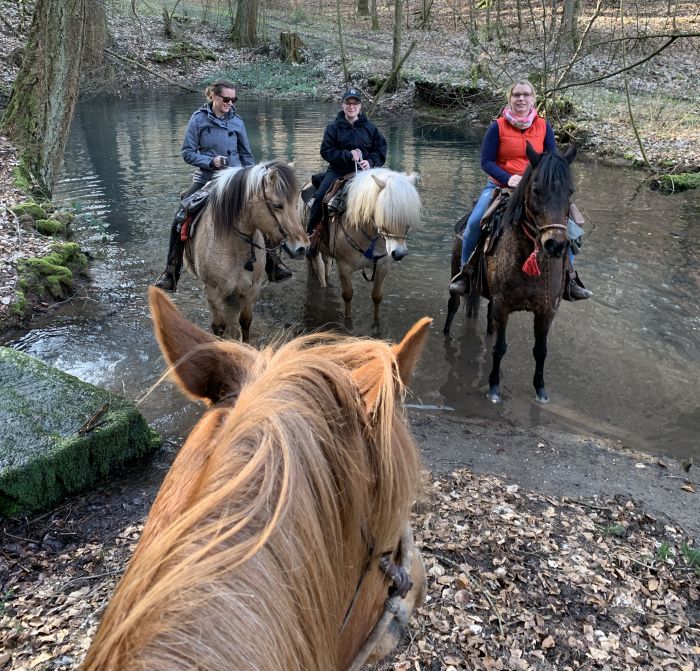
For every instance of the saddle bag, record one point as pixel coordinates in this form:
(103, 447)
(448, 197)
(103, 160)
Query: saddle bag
(191, 209)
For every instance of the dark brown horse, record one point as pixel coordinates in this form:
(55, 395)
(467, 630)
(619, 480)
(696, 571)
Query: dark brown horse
(526, 270)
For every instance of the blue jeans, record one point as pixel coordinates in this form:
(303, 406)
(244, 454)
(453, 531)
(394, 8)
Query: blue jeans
(473, 229)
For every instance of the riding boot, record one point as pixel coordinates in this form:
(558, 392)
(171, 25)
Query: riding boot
(459, 284)
(275, 269)
(574, 290)
(169, 277)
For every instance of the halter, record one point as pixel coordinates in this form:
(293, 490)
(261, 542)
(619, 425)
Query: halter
(401, 585)
(250, 263)
(534, 232)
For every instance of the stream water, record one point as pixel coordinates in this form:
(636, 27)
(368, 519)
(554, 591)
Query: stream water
(622, 366)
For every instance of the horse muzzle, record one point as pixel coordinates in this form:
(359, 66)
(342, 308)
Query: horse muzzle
(554, 247)
(295, 251)
(396, 250)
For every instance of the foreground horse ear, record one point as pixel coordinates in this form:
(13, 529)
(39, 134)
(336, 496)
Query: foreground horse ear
(410, 348)
(570, 154)
(532, 155)
(202, 369)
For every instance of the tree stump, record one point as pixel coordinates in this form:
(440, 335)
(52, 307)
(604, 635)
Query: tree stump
(291, 46)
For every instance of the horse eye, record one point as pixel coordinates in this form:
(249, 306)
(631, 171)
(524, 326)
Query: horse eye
(278, 206)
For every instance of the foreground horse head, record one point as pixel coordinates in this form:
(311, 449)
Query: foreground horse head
(525, 270)
(264, 545)
(382, 205)
(250, 211)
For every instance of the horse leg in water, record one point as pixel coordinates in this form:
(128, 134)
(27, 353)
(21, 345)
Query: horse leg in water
(345, 275)
(500, 318)
(452, 307)
(380, 271)
(218, 312)
(244, 320)
(539, 351)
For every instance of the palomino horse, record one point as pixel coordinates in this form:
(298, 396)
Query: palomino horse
(381, 206)
(519, 277)
(247, 207)
(272, 539)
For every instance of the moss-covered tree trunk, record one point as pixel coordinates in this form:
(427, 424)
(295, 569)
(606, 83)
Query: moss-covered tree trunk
(43, 98)
(245, 27)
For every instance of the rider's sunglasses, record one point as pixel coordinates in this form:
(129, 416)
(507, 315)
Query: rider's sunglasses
(226, 99)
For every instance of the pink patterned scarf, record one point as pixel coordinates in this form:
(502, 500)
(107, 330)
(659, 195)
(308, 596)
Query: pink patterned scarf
(521, 122)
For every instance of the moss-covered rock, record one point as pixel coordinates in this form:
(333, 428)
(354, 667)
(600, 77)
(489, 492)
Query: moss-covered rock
(50, 226)
(52, 274)
(680, 182)
(30, 208)
(60, 434)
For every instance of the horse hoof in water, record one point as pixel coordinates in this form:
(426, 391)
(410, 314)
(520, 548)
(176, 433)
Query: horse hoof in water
(494, 395)
(541, 396)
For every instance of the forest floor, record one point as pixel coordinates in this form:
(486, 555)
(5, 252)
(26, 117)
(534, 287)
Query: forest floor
(544, 551)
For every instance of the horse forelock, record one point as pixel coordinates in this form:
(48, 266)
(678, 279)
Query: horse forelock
(393, 208)
(282, 490)
(554, 180)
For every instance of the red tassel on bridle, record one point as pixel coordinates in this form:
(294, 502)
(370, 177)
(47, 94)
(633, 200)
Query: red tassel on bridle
(531, 267)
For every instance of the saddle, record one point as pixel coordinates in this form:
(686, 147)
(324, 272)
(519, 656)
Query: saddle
(191, 209)
(333, 202)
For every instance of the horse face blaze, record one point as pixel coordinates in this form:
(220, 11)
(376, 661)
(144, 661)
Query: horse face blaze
(396, 248)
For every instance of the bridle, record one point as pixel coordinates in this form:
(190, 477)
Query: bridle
(400, 586)
(368, 253)
(250, 238)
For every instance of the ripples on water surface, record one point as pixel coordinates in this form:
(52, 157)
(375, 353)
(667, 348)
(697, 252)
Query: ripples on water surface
(622, 366)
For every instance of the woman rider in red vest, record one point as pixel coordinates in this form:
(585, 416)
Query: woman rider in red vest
(504, 159)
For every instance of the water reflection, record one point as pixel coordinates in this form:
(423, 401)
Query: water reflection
(623, 365)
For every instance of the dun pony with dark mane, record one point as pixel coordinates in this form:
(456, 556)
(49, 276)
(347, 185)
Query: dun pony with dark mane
(248, 209)
(382, 205)
(526, 270)
(271, 542)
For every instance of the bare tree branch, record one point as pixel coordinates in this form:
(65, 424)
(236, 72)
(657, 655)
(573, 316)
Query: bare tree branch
(151, 72)
(617, 72)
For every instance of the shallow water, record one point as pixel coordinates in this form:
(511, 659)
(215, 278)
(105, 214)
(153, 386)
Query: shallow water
(622, 366)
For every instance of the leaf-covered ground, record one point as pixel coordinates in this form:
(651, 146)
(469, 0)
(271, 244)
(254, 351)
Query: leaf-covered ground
(517, 580)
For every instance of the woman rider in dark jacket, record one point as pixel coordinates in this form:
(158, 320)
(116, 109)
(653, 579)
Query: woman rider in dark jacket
(350, 141)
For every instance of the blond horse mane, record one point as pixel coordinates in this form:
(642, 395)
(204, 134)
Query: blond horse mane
(393, 207)
(263, 525)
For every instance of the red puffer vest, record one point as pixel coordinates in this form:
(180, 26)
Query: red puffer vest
(511, 144)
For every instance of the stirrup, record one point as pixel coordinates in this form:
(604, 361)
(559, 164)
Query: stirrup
(574, 290)
(279, 272)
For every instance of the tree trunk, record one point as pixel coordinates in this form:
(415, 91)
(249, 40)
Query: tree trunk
(569, 22)
(375, 16)
(363, 7)
(38, 116)
(395, 76)
(245, 28)
(291, 46)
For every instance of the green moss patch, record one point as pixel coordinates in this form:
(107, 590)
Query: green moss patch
(182, 51)
(31, 208)
(60, 434)
(53, 274)
(50, 226)
(680, 182)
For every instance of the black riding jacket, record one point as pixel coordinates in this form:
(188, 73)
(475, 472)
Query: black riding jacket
(340, 138)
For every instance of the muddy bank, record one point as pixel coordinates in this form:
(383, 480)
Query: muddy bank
(563, 465)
